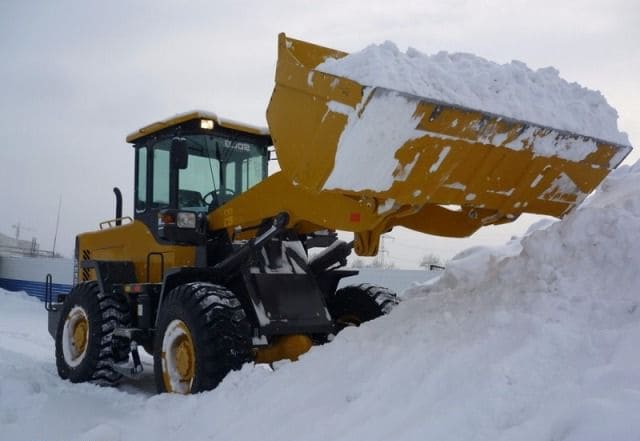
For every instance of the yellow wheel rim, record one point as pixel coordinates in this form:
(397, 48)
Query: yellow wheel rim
(185, 358)
(178, 358)
(75, 336)
(80, 332)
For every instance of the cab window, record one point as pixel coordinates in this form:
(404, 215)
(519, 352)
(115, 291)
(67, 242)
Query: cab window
(219, 168)
(141, 179)
(160, 198)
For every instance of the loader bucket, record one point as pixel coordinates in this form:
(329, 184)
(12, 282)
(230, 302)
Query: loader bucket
(405, 152)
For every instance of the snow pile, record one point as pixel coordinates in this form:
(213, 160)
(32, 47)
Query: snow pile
(512, 89)
(533, 340)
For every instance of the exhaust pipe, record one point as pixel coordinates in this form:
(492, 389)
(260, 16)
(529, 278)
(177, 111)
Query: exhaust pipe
(118, 194)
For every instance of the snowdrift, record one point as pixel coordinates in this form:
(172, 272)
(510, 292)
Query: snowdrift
(533, 340)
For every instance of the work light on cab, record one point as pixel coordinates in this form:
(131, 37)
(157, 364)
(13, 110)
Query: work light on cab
(206, 124)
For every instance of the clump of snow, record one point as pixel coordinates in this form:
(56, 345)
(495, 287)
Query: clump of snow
(535, 339)
(370, 127)
(540, 96)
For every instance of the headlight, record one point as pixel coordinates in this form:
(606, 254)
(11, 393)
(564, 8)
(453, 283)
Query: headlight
(186, 220)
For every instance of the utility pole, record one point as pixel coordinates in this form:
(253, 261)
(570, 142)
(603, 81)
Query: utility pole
(55, 236)
(383, 251)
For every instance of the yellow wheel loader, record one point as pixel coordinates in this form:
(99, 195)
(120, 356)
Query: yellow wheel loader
(213, 269)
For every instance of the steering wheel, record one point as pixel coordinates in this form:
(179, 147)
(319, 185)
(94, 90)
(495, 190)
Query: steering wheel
(218, 196)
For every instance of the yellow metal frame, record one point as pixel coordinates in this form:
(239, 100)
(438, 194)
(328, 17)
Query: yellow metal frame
(132, 242)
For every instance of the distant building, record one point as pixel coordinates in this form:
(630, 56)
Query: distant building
(12, 246)
(24, 267)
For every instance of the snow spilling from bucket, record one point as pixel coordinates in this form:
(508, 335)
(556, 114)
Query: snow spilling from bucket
(370, 129)
(540, 96)
(534, 339)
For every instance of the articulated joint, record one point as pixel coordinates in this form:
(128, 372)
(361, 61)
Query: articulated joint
(286, 347)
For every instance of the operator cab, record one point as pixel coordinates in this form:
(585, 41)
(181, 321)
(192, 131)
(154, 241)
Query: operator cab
(195, 162)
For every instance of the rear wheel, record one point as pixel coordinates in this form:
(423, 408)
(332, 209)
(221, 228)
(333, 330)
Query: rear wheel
(85, 350)
(203, 333)
(356, 304)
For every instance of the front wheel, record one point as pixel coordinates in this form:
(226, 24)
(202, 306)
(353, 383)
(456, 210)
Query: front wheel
(203, 334)
(356, 304)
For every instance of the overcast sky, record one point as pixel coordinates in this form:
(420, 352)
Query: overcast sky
(77, 76)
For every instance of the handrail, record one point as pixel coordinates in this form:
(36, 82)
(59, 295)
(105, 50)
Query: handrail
(48, 293)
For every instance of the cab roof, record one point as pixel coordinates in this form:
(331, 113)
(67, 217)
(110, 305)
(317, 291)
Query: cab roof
(195, 114)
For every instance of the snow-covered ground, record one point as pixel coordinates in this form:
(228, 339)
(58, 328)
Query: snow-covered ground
(533, 340)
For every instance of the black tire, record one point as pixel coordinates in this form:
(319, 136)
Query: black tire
(218, 332)
(102, 313)
(356, 304)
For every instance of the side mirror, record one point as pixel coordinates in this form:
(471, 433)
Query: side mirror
(179, 153)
